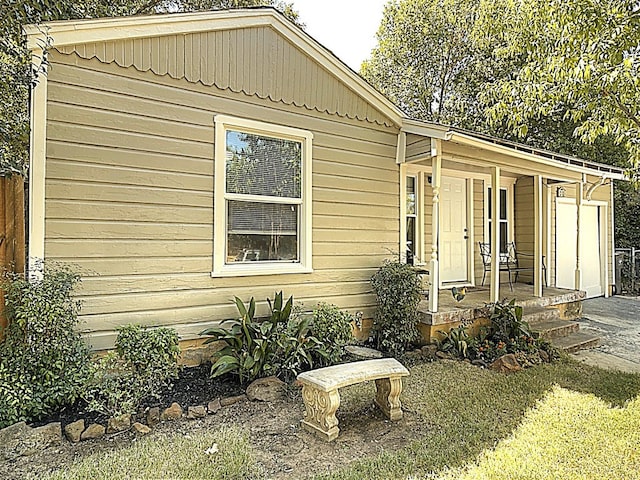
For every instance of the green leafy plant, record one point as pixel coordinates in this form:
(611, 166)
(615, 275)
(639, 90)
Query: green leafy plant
(43, 360)
(145, 360)
(508, 333)
(277, 345)
(334, 328)
(398, 288)
(296, 349)
(506, 321)
(455, 341)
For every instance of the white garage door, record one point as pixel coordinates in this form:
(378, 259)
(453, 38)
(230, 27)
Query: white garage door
(591, 256)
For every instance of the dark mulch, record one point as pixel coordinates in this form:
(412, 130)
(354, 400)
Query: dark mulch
(194, 386)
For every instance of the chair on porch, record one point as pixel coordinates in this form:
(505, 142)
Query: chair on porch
(509, 262)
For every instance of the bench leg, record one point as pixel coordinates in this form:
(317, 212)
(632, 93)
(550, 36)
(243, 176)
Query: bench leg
(388, 397)
(320, 415)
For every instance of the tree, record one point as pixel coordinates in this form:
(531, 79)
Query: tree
(579, 63)
(426, 60)
(18, 76)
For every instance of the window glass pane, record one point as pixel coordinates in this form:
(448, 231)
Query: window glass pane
(259, 165)
(411, 196)
(261, 232)
(503, 204)
(503, 237)
(490, 203)
(411, 239)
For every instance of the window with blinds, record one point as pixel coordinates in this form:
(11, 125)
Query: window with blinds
(265, 200)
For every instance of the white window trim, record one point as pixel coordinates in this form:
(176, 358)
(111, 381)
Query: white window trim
(505, 184)
(220, 267)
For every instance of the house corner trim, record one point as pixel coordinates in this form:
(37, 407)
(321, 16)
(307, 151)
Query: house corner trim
(37, 160)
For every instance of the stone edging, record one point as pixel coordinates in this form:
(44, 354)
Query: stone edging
(19, 439)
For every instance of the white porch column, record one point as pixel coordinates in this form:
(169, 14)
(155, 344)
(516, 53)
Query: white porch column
(434, 267)
(537, 236)
(578, 272)
(495, 235)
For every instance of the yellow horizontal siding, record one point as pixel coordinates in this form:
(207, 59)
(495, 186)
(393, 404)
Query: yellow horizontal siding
(130, 197)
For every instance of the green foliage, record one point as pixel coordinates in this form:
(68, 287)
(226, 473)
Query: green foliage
(426, 61)
(277, 345)
(144, 361)
(333, 327)
(506, 321)
(152, 354)
(578, 60)
(508, 333)
(398, 292)
(43, 360)
(455, 341)
(627, 213)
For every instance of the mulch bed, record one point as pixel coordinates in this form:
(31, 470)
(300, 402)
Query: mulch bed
(194, 386)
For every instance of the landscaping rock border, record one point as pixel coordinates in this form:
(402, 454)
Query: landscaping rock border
(20, 439)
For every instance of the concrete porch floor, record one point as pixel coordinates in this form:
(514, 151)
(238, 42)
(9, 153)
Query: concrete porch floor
(473, 306)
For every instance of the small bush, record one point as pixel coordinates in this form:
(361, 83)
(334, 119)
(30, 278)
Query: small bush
(43, 361)
(333, 327)
(398, 291)
(280, 344)
(507, 333)
(144, 362)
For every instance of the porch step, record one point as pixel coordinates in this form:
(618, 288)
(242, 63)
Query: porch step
(535, 315)
(575, 342)
(551, 329)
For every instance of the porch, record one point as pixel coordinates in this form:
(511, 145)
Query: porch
(461, 192)
(556, 306)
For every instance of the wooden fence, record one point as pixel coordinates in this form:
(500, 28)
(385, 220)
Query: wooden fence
(12, 231)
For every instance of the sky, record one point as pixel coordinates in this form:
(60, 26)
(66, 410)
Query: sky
(346, 27)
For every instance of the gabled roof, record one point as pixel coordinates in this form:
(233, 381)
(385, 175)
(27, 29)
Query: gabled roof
(74, 32)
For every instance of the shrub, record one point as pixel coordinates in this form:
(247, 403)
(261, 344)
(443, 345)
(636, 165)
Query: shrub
(506, 333)
(398, 291)
(143, 363)
(43, 360)
(279, 345)
(333, 327)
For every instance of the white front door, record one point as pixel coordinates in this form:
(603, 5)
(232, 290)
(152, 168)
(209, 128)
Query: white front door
(591, 251)
(453, 230)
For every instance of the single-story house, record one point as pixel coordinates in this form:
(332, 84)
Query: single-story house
(181, 160)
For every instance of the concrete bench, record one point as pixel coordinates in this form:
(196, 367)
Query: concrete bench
(321, 397)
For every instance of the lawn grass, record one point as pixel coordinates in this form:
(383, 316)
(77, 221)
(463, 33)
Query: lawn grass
(467, 410)
(224, 454)
(464, 412)
(583, 438)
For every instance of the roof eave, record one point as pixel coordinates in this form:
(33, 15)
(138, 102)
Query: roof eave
(559, 160)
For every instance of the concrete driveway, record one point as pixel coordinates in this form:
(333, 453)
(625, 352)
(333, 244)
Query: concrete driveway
(616, 320)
